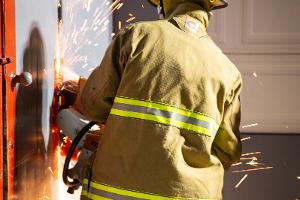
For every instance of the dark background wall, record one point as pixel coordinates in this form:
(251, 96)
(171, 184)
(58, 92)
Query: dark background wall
(279, 183)
(280, 151)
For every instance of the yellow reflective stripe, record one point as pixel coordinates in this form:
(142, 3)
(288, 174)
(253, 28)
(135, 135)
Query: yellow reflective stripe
(127, 193)
(93, 196)
(85, 181)
(84, 192)
(161, 106)
(161, 119)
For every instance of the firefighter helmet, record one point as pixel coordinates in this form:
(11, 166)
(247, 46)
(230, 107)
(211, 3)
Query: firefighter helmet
(168, 5)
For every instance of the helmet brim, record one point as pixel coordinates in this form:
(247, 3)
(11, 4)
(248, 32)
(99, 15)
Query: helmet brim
(154, 2)
(218, 4)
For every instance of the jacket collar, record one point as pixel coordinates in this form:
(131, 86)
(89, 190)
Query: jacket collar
(191, 17)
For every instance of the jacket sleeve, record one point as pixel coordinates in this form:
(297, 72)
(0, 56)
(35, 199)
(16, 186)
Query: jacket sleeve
(227, 144)
(101, 87)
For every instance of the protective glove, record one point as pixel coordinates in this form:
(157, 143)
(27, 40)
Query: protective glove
(70, 93)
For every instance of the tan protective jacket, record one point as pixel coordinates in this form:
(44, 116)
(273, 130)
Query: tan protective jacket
(170, 101)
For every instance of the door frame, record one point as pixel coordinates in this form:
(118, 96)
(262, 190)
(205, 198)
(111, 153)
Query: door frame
(8, 98)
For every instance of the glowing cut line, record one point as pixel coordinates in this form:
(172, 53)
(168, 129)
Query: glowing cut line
(254, 169)
(242, 179)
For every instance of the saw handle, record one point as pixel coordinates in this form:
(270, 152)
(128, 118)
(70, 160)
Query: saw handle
(75, 183)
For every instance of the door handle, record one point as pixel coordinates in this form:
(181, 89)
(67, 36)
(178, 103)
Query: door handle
(25, 79)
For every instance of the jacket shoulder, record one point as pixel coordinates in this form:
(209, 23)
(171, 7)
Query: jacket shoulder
(140, 29)
(228, 63)
(149, 25)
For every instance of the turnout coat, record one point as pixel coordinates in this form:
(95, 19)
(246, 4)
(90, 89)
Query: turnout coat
(170, 100)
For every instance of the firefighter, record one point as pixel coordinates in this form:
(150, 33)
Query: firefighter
(170, 100)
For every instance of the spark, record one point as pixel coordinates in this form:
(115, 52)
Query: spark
(95, 28)
(87, 5)
(76, 38)
(253, 163)
(249, 158)
(252, 169)
(120, 25)
(44, 197)
(143, 6)
(119, 6)
(251, 153)
(250, 125)
(236, 164)
(50, 169)
(130, 19)
(82, 28)
(69, 45)
(298, 177)
(255, 74)
(84, 66)
(97, 11)
(242, 179)
(246, 138)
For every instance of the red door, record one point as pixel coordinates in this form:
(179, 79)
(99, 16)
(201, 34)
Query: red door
(8, 97)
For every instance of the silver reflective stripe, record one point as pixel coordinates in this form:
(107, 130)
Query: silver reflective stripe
(85, 187)
(175, 116)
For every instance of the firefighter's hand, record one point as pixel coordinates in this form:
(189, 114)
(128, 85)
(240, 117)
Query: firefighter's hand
(70, 93)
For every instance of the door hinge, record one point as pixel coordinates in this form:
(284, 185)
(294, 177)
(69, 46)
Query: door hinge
(4, 61)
